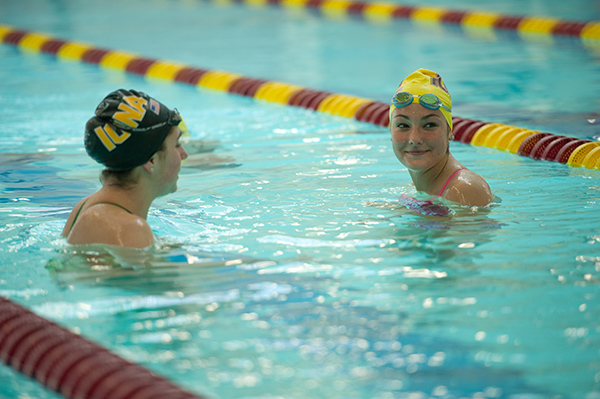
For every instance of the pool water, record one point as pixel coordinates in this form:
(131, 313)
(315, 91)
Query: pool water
(284, 265)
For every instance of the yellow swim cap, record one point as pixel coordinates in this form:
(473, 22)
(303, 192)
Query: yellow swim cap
(423, 81)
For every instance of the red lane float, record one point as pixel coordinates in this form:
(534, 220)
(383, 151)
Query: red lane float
(384, 119)
(469, 132)
(14, 37)
(508, 22)
(357, 8)
(567, 28)
(315, 99)
(93, 56)
(53, 46)
(139, 66)
(459, 125)
(376, 113)
(307, 98)
(71, 365)
(380, 115)
(453, 17)
(246, 86)
(566, 150)
(530, 142)
(540, 147)
(551, 151)
(403, 11)
(190, 76)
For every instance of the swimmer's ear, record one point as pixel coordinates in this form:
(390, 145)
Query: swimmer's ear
(149, 166)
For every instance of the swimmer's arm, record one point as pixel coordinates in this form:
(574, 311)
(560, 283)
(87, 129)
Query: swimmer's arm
(470, 190)
(94, 228)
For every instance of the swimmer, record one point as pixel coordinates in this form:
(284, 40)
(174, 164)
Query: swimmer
(421, 129)
(136, 138)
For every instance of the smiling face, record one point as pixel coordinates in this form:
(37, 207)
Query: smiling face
(420, 137)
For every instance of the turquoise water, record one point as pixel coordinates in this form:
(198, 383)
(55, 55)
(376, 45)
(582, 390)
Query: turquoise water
(284, 268)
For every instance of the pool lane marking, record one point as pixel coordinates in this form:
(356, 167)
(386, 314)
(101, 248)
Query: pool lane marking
(476, 22)
(525, 142)
(72, 365)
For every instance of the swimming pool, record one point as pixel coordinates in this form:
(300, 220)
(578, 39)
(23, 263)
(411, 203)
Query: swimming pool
(281, 269)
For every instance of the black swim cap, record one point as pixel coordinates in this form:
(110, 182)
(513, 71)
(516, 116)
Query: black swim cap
(129, 127)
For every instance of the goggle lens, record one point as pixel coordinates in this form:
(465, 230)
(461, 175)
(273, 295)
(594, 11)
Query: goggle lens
(402, 99)
(429, 101)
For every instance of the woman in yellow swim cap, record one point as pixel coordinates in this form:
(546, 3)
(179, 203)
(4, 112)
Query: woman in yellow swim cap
(421, 129)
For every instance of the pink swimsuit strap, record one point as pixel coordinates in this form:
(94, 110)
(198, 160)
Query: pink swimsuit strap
(448, 181)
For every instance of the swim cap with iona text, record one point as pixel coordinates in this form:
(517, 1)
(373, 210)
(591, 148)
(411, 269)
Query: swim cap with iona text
(127, 129)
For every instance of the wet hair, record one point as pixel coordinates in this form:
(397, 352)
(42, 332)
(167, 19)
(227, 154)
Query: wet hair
(124, 179)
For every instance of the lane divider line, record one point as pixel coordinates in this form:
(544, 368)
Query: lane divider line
(525, 142)
(72, 365)
(380, 11)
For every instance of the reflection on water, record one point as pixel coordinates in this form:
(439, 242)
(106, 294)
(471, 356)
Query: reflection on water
(113, 265)
(240, 327)
(24, 176)
(254, 294)
(310, 279)
(447, 235)
(201, 155)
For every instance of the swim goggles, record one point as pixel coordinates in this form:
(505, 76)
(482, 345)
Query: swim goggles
(173, 119)
(429, 101)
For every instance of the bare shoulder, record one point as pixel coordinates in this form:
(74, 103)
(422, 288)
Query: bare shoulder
(72, 215)
(468, 188)
(114, 227)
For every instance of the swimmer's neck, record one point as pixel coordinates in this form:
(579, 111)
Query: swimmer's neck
(425, 180)
(135, 198)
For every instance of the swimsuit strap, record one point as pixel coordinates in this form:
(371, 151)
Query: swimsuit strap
(448, 181)
(82, 205)
(77, 215)
(112, 203)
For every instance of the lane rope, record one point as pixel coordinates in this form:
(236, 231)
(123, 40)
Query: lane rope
(525, 142)
(72, 365)
(527, 27)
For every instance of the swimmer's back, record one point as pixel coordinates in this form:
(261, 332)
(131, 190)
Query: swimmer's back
(93, 221)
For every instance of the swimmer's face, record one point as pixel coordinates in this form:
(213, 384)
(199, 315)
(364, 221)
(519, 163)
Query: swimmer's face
(170, 161)
(420, 136)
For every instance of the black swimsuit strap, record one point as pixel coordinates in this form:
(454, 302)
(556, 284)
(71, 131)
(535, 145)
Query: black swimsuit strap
(112, 203)
(77, 215)
(82, 205)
